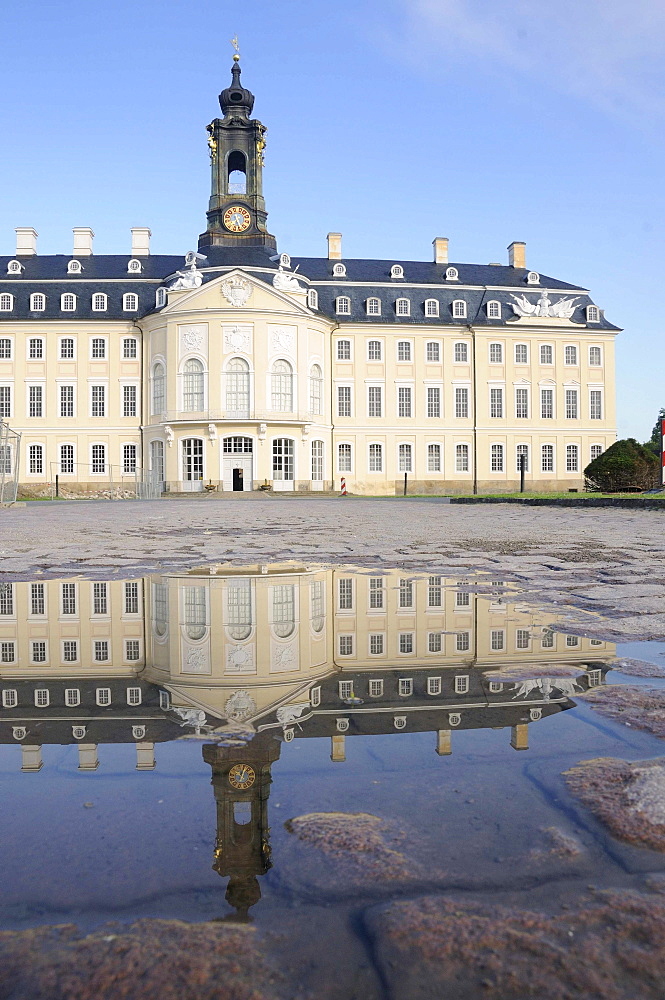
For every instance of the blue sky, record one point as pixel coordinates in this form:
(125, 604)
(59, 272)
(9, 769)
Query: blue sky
(391, 121)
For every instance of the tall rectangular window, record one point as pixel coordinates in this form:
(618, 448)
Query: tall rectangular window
(571, 404)
(433, 350)
(461, 402)
(317, 461)
(546, 354)
(66, 400)
(36, 459)
(101, 650)
(376, 458)
(343, 350)
(129, 348)
(434, 458)
(433, 401)
(345, 593)
(406, 646)
(129, 458)
(596, 451)
(403, 350)
(98, 401)
(547, 404)
(344, 460)
(38, 651)
(343, 400)
(346, 649)
(522, 403)
(98, 348)
(5, 401)
(376, 644)
(434, 642)
(435, 592)
(522, 453)
(521, 354)
(497, 639)
(462, 642)
(5, 348)
(36, 401)
(374, 401)
(406, 593)
(374, 352)
(376, 592)
(596, 404)
(496, 402)
(98, 458)
(66, 348)
(497, 458)
(405, 463)
(131, 598)
(5, 460)
(129, 400)
(404, 401)
(6, 599)
(595, 357)
(496, 353)
(547, 458)
(35, 348)
(100, 603)
(461, 353)
(66, 459)
(37, 599)
(570, 354)
(132, 650)
(572, 458)
(68, 591)
(522, 638)
(7, 652)
(461, 458)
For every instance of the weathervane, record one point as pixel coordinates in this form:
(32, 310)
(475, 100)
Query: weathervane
(236, 46)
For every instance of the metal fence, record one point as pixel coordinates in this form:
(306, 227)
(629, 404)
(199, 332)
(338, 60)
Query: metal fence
(10, 456)
(111, 484)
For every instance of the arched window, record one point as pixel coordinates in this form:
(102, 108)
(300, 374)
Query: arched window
(14, 267)
(74, 267)
(343, 305)
(344, 458)
(374, 307)
(315, 390)
(99, 302)
(339, 270)
(533, 278)
(36, 459)
(237, 173)
(158, 389)
(572, 458)
(282, 386)
(66, 459)
(193, 386)
(592, 314)
(374, 352)
(376, 458)
(134, 266)
(434, 458)
(283, 460)
(452, 274)
(284, 260)
(431, 307)
(397, 271)
(459, 309)
(160, 297)
(37, 302)
(313, 298)
(130, 302)
(6, 302)
(494, 310)
(405, 458)
(462, 458)
(403, 307)
(237, 389)
(68, 302)
(5, 348)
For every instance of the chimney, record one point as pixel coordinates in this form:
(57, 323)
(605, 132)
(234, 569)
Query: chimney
(519, 738)
(141, 242)
(82, 242)
(26, 241)
(334, 246)
(517, 255)
(88, 759)
(440, 245)
(145, 756)
(31, 757)
(338, 748)
(443, 744)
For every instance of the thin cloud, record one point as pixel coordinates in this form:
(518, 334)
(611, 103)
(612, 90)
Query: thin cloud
(606, 52)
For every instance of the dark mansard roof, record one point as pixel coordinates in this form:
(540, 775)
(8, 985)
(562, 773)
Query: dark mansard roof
(476, 285)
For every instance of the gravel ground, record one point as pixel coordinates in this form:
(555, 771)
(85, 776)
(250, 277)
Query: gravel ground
(603, 568)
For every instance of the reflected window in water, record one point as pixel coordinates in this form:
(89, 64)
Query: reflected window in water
(434, 685)
(6, 599)
(376, 644)
(318, 607)
(37, 599)
(376, 591)
(497, 639)
(463, 642)
(547, 641)
(345, 645)
(239, 602)
(195, 612)
(434, 642)
(283, 610)
(405, 687)
(435, 592)
(406, 593)
(345, 594)
(376, 688)
(406, 642)
(160, 608)
(242, 813)
(461, 684)
(100, 598)
(522, 638)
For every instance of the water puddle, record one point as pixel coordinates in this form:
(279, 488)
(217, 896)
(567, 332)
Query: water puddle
(334, 757)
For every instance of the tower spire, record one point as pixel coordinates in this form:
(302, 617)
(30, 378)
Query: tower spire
(236, 213)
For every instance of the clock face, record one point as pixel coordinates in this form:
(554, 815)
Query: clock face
(242, 776)
(237, 219)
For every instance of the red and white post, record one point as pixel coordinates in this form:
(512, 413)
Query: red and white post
(343, 487)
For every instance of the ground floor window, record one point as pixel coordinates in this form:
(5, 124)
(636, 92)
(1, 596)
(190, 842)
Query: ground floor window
(547, 458)
(405, 459)
(376, 458)
(317, 461)
(192, 459)
(497, 458)
(98, 458)
(36, 459)
(344, 459)
(572, 459)
(522, 450)
(282, 459)
(434, 458)
(129, 458)
(462, 458)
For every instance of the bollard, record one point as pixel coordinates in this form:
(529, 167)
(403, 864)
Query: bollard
(405, 482)
(522, 471)
(57, 485)
(343, 487)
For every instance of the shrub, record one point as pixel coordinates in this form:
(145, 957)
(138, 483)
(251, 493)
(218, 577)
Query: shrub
(626, 465)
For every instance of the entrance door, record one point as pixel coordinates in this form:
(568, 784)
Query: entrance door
(157, 465)
(192, 465)
(238, 480)
(237, 473)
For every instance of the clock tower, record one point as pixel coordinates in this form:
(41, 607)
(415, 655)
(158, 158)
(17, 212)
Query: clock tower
(236, 213)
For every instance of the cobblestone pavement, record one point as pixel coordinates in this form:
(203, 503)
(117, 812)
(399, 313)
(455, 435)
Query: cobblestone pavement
(592, 565)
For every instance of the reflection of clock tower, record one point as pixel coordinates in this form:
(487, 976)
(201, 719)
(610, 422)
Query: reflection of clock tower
(241, 779)
(236, 214)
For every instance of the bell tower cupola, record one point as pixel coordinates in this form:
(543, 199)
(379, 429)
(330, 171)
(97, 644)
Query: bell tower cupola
(236, 213)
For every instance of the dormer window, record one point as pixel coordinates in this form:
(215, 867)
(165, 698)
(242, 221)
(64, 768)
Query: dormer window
(6, 302)
(494, 310)
(403, 307)
(374, 307)
(160, 297)
(339, 270)
(99, 302)
(134, 266)
(533, 278)
(459, 309)
(14, 267)
(592, 314)
(431, 307)
(130, 302)
(74, 267)
(68, 302)
(284, 260)
(313, 298)
(452, 274)
(397, 271)
(343, 305)
(37, 302)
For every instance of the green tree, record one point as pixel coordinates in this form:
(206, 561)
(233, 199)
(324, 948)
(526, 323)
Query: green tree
(654, 444)
(626, 465)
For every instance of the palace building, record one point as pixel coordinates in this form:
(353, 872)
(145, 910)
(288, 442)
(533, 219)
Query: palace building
(238, 366)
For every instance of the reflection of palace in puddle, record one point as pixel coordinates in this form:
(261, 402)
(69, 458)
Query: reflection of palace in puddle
(275, 653)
